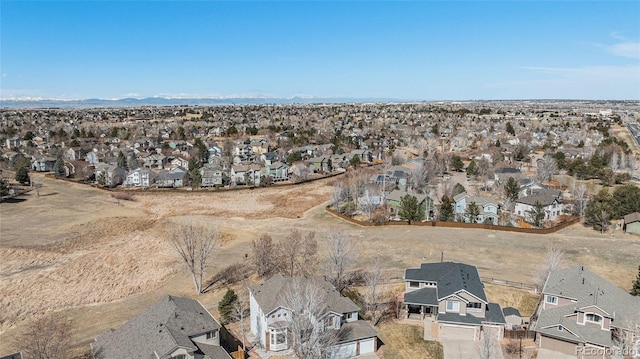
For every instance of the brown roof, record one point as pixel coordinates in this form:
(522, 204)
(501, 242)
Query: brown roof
(632, 217)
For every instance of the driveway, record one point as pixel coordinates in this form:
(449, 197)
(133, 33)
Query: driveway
(459, 349)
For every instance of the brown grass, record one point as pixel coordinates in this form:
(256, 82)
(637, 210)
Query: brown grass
(520, 299)
(403, 341)
(74, 249)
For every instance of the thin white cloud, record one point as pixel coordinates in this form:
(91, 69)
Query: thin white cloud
(625, 49)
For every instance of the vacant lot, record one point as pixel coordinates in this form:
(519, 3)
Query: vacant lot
(76, 249)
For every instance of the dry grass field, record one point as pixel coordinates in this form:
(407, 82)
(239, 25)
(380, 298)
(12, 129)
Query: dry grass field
(76, 250)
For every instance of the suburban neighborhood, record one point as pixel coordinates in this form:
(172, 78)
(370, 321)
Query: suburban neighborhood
(334, 286)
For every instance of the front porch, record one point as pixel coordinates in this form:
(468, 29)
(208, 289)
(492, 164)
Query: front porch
(419, 312)
(277, 336)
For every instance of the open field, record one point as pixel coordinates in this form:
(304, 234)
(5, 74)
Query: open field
(77, 250)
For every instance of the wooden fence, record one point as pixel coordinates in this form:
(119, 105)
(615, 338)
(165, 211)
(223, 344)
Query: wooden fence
(459, 224)
(519, 333)
(509, 283)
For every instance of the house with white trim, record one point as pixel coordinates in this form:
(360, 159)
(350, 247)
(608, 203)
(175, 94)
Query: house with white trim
(453, 296)
(271, 320)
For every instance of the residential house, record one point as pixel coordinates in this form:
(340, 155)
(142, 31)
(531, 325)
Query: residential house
(110, 175)
(583, 315)
(155, 161)
(248, 174)
(13, 142)
(394, 199)
(213, 177)
(173, 178)
(140, 177)
(321, 164)
(365, 156)
(172, 327)
(92, 157)
(179, 162)
(550, 200)
(632, 223)
(488, 208)
(452, 295)
(42, 164)
(271, 319)
(278, 171)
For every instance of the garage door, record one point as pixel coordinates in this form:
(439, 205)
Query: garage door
(366, 346)
(457, 332)
(345, 350)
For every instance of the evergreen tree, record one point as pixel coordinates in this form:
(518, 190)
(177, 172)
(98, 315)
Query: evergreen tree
(599, 211)
(58, 168)
(626, 200)
(472, 212)
(456, 163)
(457, 189)
(225, 306)
(472, 169)
(635, 288)
(122, 161)
(22, 174)
(446, 209)
(4, 189)
(511, 189)
(409, 208)
(510, 129)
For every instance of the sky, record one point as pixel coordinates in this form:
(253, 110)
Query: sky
(419, 50)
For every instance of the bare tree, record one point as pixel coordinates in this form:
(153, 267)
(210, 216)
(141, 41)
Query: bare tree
(264, 257)
(627, 340)
(580, 195)
(420, 177)
(299, 253)
(547, 167)
(195, 245)
(553, 260)
(46, 338)
(368, 202)
(488, 344)
(240, 310)
(307, 300)
(341, 255)
(375, 298)
(338, 194)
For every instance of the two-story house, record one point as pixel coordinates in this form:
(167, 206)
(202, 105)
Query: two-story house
(452, 295)
(271, 319)
(487, 208)
(140, 177)
(583, 315)
(173, 327)
(550, 200)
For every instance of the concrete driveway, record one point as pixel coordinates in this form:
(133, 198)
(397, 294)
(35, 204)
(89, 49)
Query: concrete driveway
(459, 349)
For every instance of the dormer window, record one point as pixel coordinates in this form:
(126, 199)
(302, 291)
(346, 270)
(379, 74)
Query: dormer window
(593, 318)
(414, 285)
(211, 335)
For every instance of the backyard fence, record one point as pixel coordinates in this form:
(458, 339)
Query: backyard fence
(519, 333)
(458, 224)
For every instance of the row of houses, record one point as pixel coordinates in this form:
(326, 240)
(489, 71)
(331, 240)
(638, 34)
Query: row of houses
(580, 315)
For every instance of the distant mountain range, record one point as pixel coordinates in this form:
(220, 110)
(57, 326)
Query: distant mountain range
(162, 101)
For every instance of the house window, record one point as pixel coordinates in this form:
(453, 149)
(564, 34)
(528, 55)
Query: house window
(594, 318)
(414, 285)
(211, 335)
(180, 356)
(474, 305)
(453, 306)
(551, 299)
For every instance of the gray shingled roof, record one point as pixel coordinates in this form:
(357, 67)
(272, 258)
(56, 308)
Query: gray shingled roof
(587, 289)
(511, 311)
(356, 330)
(544, 200)
(267, 294)
(423, 296)
(161, 328)
(632, 217)
(451, 277)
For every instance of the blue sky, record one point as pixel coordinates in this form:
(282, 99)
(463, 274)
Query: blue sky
(402, 50)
